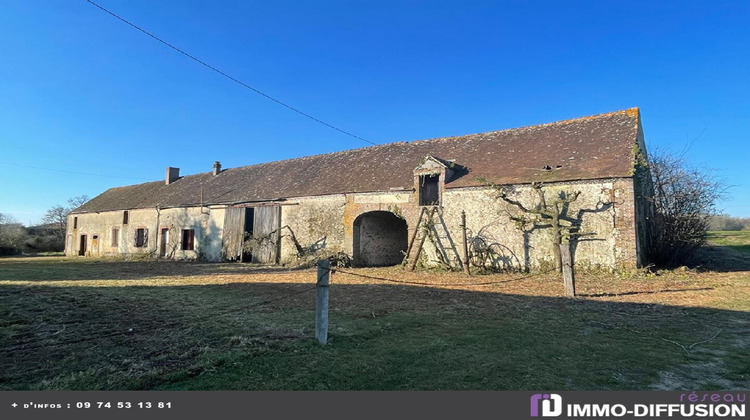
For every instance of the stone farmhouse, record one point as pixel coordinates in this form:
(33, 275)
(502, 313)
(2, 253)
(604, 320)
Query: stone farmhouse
(369, 202)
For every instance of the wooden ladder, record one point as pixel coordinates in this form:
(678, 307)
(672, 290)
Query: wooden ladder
(427, 224)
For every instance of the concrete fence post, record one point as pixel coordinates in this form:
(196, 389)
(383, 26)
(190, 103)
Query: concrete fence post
(321, 304)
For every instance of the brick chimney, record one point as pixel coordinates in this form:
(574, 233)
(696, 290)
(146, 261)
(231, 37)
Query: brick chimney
(217, 168)
(173, 174)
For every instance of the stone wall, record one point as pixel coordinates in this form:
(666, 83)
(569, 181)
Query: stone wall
(327, 222)
(605, 211)
(207, 224)
(626, 241)
(529, 246)
(317, 224)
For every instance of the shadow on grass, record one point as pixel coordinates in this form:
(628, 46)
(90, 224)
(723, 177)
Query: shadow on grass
(723, 259)
(647, 292)
(34, 255)
(73, 269)
(383, 337)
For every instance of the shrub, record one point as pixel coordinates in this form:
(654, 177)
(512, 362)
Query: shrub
(684, 199)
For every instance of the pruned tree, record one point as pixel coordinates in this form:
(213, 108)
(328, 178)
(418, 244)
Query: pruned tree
(547, 212)
(684, 200)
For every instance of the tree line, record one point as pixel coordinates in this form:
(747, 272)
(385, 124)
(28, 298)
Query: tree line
(49, 236)
(727, 222)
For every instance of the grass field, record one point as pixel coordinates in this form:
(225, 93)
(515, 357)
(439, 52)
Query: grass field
(736, 240)
(109, 324)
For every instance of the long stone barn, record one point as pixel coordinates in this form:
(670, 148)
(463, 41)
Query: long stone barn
(373, 203)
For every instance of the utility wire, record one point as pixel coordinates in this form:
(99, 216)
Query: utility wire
(69, 172)
(199, 61)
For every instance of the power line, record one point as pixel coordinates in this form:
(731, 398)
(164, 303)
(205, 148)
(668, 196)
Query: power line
(197, 60)
(70, 172)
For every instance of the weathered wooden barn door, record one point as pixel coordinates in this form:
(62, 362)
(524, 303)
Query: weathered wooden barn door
(233, 235)
(266, 224)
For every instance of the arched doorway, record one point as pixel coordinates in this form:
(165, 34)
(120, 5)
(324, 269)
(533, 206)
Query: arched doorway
(380, 239)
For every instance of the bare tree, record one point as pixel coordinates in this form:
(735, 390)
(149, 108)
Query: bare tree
(77, 201)
(12, 235)
(57, 216)
(57, 219)
(684, 200)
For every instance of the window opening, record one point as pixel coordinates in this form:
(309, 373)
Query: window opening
(429, 190)
(141, 237)
(188, 239)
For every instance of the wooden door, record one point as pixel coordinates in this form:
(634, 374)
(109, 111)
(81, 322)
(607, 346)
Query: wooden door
(95, 245)
(233, 233)
(163, 242)
(266, 224)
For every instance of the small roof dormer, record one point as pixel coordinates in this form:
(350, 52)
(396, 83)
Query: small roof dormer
(430, 177)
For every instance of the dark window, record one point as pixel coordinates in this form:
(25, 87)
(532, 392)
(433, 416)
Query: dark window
(82, 249)
(115, 236)
(75, 223)
(188, 239)
(249, 220)
(429, 190)
(247, 254)
(125, 217)
(141, 237)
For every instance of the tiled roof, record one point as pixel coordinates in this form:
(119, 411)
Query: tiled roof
(601, 146)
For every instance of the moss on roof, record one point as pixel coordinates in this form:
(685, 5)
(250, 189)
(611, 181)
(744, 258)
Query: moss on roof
(593, 147)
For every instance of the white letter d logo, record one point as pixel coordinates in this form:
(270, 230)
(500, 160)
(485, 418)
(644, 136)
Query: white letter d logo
(552, 407)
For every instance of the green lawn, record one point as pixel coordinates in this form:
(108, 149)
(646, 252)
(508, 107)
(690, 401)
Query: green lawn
(84, 324)
(738, 240)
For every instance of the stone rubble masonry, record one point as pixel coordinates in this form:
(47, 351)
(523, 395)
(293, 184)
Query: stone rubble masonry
(207, 223)
(605, 210)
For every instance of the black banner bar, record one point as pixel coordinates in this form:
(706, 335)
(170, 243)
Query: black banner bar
(453, 405)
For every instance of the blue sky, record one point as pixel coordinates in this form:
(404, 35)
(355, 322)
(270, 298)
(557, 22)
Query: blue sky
(82, 92)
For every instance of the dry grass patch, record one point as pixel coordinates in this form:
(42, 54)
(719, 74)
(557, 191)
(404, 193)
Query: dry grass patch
(88, 324)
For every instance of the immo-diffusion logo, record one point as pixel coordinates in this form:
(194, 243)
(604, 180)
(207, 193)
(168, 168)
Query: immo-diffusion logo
(551, 405)
(713, 404)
